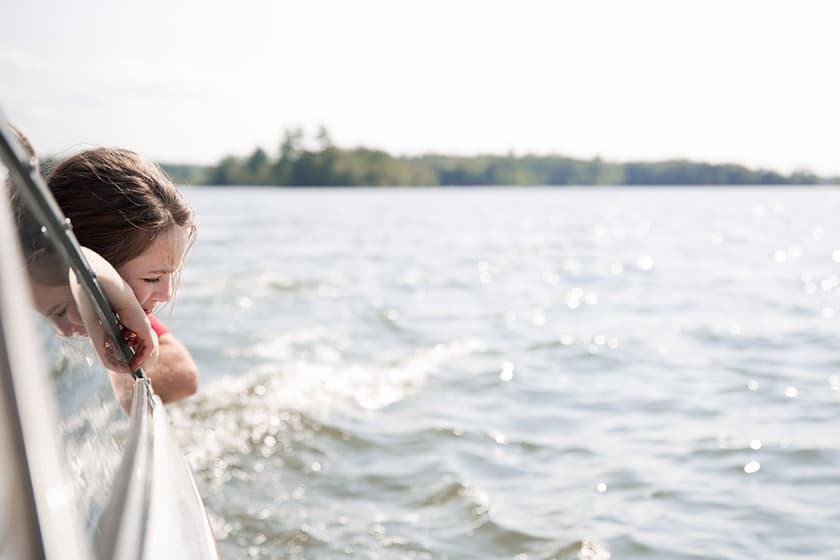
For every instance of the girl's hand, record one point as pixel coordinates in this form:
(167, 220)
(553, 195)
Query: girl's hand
(137, 330)
(145, 347)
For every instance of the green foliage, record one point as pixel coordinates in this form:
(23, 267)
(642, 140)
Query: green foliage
(230, 171)
(258, 168)
(184, 174)
(318, 162)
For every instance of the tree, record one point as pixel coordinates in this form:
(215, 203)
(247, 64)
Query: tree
(258, 168)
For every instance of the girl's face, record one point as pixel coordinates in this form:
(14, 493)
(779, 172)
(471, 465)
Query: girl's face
(56, 304)
(152, 274)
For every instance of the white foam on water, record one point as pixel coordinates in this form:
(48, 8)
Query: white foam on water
(236, 411)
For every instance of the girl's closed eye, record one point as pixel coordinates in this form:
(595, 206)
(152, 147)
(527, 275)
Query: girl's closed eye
(151, 280)
(60, 312)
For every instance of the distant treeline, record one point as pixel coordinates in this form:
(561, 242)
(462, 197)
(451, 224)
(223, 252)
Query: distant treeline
(318, 162)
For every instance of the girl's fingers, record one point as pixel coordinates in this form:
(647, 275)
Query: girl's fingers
(141, 353)
(113, 358)
(138, 334)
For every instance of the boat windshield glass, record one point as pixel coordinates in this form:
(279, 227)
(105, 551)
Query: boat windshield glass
(92, 424)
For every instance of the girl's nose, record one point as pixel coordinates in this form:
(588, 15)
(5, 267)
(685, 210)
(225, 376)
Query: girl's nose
(75, 320)
(70, 322)
(63, 326)
(163, 290)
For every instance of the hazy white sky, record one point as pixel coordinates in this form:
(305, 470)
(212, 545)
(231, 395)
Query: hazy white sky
(753, 82)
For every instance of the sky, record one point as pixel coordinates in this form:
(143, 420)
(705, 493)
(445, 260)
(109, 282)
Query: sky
(741, 81)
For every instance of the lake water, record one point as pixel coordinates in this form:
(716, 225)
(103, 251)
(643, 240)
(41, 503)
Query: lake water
(515, 373)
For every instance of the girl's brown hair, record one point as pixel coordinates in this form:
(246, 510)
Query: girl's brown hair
(118, 202)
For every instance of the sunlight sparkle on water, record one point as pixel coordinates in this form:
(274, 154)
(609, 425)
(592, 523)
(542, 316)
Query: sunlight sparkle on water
(791, 392)
(752, 467)
(645, 263)
(602, 487)
(578, 296)
(539, 318)
(498, 437)
(752, 385)
(507, 371)
(484, 272)
(830, 282)
(755, 444)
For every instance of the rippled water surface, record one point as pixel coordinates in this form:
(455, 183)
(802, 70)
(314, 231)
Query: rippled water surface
(528, 374)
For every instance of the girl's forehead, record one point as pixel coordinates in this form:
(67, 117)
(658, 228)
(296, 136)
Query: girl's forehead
(48, 298)
(165, 254)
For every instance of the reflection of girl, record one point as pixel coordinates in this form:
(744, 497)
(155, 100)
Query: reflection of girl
(55, 300)
(126, 210)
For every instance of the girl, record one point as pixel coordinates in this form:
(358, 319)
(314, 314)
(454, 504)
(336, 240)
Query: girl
(49, 277)
(126, 210)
